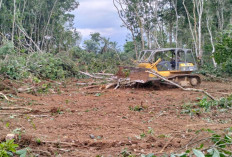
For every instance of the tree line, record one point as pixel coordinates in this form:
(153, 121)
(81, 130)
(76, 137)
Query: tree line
(38, 25)
(195, 24)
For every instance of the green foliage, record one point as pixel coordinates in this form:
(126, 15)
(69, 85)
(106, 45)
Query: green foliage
(220, 146)
(8, 148)
(18, 65)
(223, 70)
(18, 132)
(7, 48)
(227, 66)
(52, 66)
(224, 46)
(198, 153)
(48, 23)
(38, 141)
(89, 61)
(99, 44)
(205, 105)
(223, 55)
(129, 52)
(22, 152)
(44, 65)
(14, 67)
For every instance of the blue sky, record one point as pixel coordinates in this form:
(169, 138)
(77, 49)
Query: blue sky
(99, 16)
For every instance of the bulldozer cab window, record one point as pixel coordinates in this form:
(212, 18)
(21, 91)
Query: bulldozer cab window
(144, 56)
(164, 55)
(167, 58)
(190, 57)
(180, 56)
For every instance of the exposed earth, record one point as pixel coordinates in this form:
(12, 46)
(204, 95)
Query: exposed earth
(78, 121)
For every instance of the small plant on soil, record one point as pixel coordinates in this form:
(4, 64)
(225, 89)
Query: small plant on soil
(150, 131)
(136, 108)
(7, 124)
(30, 120)
(143, 135)
(8, 148)
(38, 141)
(66, 101)
(98, 94)
(126, 153)
(56, 111)
(18, 132)
(45, 88)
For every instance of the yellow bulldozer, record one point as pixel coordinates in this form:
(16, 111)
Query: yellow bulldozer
(175, 64)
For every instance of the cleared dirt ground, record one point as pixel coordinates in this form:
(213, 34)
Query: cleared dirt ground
(88, 122)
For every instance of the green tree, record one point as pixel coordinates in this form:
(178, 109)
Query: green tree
(224, 46)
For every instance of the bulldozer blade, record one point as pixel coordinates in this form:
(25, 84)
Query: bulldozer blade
(134, 74)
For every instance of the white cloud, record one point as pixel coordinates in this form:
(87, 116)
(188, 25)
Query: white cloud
(103, 31)
(100, 5)
(99, 16)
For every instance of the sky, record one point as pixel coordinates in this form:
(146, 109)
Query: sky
(99, 16)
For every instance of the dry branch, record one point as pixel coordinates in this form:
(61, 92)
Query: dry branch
(26, 35)
(90, 87)
(20, 114)
(15, 108)
(41, 152)
(165, 146)
(179, 86)
(5, 96)
(104, 74)
(90, 75)
(25, 89)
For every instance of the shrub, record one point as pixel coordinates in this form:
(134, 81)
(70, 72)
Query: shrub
(6, 49)
(19, 65)
(44, 65)
(227, 66)
(224, 46)
(13, 67)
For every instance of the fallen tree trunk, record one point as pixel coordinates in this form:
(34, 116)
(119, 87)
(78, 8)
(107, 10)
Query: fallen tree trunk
(179, 86)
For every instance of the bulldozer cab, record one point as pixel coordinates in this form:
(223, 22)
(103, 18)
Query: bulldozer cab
(171, 59)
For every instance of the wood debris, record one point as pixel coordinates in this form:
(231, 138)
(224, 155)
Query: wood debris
(179, 86)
